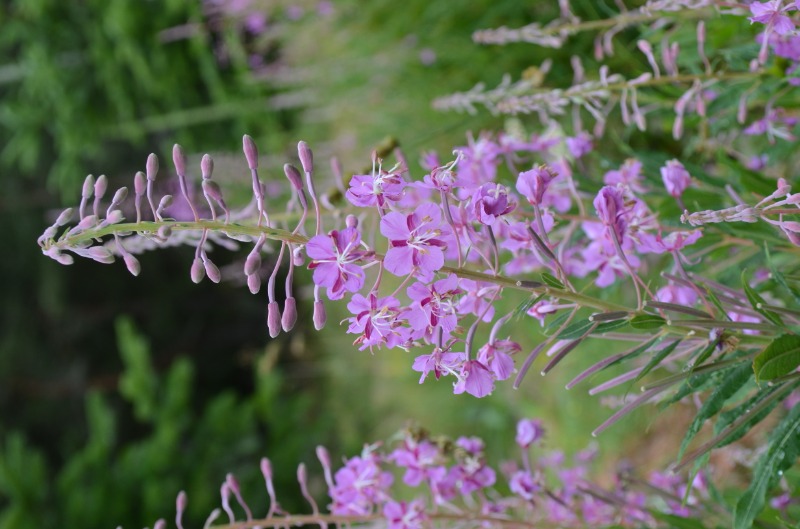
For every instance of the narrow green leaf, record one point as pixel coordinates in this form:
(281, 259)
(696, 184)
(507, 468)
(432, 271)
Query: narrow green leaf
(658, 357)
(757, 302)
(523, 307)
(647, 322)
(575, 329)
(678, 522)
(779, 277)
(707, 351)
(727, 417)
(609, 326)
(551, 280)
(715, 300)
(780, 358)
(733, 382)
(556, 322)
(784, 448)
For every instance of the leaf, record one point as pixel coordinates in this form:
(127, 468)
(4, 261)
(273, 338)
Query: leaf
(715, 300)
(523, 307)
(556, 322)
(779, 277)
(729, 416)
(678, 522)
(647, 322)
(780, 358)
(657, 359)
(757, 302)
(550, 280)
(576, 329)
(784, 448)
(733, 382)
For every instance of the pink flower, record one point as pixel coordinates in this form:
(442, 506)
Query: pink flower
(359, 485)
(772, 15)
(529, 431)
(676, 178)
(417, 241)
(523, 484)
(435, 306)
(497, 357)
(673, 242)
(376, 189)
(679, 295)
(630, 174)
(490, 202)
(377, 320)
(533, 184)
(405, 515)
(439, 361)
(475, 378)
(579, 145)
(610, 208)
(417, 457)
(334, 257)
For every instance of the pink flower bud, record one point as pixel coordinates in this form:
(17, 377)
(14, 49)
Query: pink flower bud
(533, 184)
(88, 187)
(528, 432)
(250, 152)
(319, 315)
(120, 195)
(64, 217)
(254, 283)
(298, 257)
(252, 263)
(306, 157)
(266, 469)
(164, 232)
(273, 319)
(233, 484)
(160, 524)
(293, 175)
(323, 456)
(206, 166)
(139, 183)
(609, 204)
(212, 271)
(351, 221)
(197, 271)
(101, 254)
(152, 167)
(289, 314)
(676, 178)
(132, 263)
(179, 159)
(114, 217)
(181, 501)
(87, 222)
(164, 203)
(211, 189)
(100, 186)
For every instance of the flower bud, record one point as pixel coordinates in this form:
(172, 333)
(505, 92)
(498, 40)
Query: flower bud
(351, 221)
(120, 195)
(306, 157)
(88, 187)
(64, 217)
(160, 524)
(152, 167)
(676, 178)
(132, 264)
(298, 257)
(139, 183)
(181, 501)
(211, 189)
(179, 159)
(101, 254)
(164, 203)
(323, 456)
(294, 176)
(252, 263)
(273, 319)
(212, 271)
(266, 468)
(114, 217)
(100, 186)
(319, 315)
(165, 232)
(206, 166)
(197, 271)
(289, 314)
(87, 222)
(250, 152)
(254, 283)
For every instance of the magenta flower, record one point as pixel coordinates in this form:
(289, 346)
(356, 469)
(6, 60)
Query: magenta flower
(673, 242)
(580, 145)
(529, 431)
(533, 184)
(677, 294)
(440, 362)
(417, 241)
(417, 457)
(541, 309)
(479, 162)
(523, 484)
(630, 174)
(676, 178)
(404, 515)
(474, 378)
(490, 202)
(497, 357)
(435, 306)
(472, 474)
(334, 257)
(772, 15)
(375, 189)
(377, 320)
(359, 486)
(476, 298)
(610, 208)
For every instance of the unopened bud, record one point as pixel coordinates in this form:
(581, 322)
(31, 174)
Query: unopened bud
(181, 501)
(289, 314)
(298, 257)
(179, 159)
(254, 283)
(132, 263)
(100, 186)
(152, 167)
(266, 468)
(274, 319)
(211, 189)
(88, 187)
(230, 479)
(212, 271)
(160, 524)
(319, 315)
(302, 475)
(120, 195)
(351, 221)
(250, 152)
(206, 166)
(63, 258)
(164, 203)
(165, 232)
(64, 217)
(323, 456)
(87, 222)
(197, 272)
(139, 183)
(101, 254)
(252, 263)
(306, 156)
(114, 217)
(294, 176)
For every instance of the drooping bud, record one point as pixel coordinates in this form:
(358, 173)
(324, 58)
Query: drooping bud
(166, 201)
(179, 159)
(252, 263)
(206, 166)
(165, 232)
(306, 156)
(132, 264)
(152, 167)
(250, 152)
(289, 317)
(319, 315)
(273, 319)
(293, 175)
(211, 189)
(101, 254)
(181, 502)
(197, 272)
(211, 270)
(160, 524)
(533, 184)
(87, 222)
(254, 283)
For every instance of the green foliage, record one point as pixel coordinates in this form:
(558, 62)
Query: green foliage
(781, 357)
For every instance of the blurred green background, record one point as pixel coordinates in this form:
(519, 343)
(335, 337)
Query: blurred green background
(115, 392)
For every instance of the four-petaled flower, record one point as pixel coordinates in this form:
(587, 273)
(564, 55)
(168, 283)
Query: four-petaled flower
(334, 257)
(417, 241)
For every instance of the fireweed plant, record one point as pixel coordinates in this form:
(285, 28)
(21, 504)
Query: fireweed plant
(546, 220)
